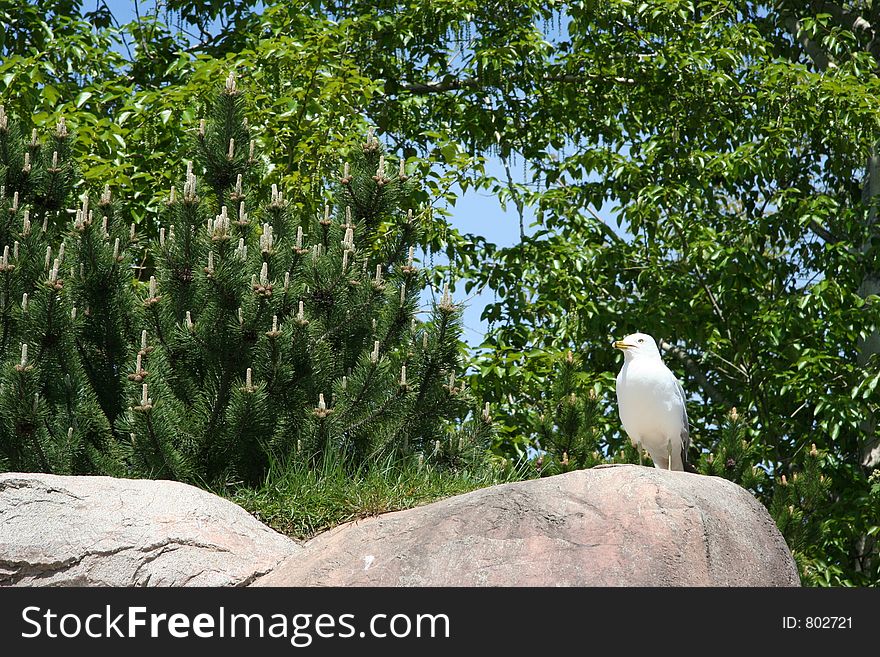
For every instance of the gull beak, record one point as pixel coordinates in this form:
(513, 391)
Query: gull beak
(620, 344)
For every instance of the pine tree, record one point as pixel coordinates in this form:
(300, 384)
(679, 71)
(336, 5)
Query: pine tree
(50, 416)
(799, 506)
(734, 457)
(260, 335)
(566, 429)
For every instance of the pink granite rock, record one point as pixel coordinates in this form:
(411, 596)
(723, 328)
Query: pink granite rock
(618, 526)
(608, 526)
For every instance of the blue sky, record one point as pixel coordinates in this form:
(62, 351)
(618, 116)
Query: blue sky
(479, 212)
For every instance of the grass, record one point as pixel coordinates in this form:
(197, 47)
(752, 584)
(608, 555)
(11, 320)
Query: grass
(301, 502)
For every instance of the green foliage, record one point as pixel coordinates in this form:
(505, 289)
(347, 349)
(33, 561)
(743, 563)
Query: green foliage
(732, 142)
(133, 90)
(266, 334)
(800, 506)
(50, 417)
(565, 422)
(735, 456)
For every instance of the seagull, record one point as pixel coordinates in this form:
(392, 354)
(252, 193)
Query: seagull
(651, 403)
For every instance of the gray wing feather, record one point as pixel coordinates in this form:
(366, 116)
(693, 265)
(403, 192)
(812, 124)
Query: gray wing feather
(685, 424)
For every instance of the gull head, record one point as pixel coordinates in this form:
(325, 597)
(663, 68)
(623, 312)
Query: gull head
(637, 345)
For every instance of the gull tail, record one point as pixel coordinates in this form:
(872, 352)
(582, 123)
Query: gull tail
(686, 465)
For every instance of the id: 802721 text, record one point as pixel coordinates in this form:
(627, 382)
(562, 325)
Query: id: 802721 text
(817, 623)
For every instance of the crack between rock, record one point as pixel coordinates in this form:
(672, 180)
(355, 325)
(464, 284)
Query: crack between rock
(17, 484)
(20, 570)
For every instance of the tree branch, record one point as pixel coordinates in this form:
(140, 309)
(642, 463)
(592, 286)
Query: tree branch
(516, 199)
(823, 232)
(871, 454)
(422, 88)
(819, 57)
(848, 20)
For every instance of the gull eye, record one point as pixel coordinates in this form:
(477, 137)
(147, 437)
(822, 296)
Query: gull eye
(641, 339)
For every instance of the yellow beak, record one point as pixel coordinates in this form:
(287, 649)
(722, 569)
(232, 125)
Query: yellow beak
(620, 344)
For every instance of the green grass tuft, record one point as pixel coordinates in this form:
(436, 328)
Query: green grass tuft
(300, 501)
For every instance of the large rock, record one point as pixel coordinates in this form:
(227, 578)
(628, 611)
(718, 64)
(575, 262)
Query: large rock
(124, 532)
(622, 526)
(609, 526)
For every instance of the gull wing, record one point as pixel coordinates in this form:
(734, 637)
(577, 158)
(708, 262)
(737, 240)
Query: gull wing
(685, 423)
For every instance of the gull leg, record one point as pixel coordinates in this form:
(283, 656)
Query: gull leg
(669, 452)
(639, 448)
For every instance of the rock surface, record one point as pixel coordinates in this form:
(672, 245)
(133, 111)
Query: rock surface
(100, 531)
(608, 526)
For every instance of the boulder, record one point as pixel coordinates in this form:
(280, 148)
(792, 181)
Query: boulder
(100, 531)
(608, 526)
